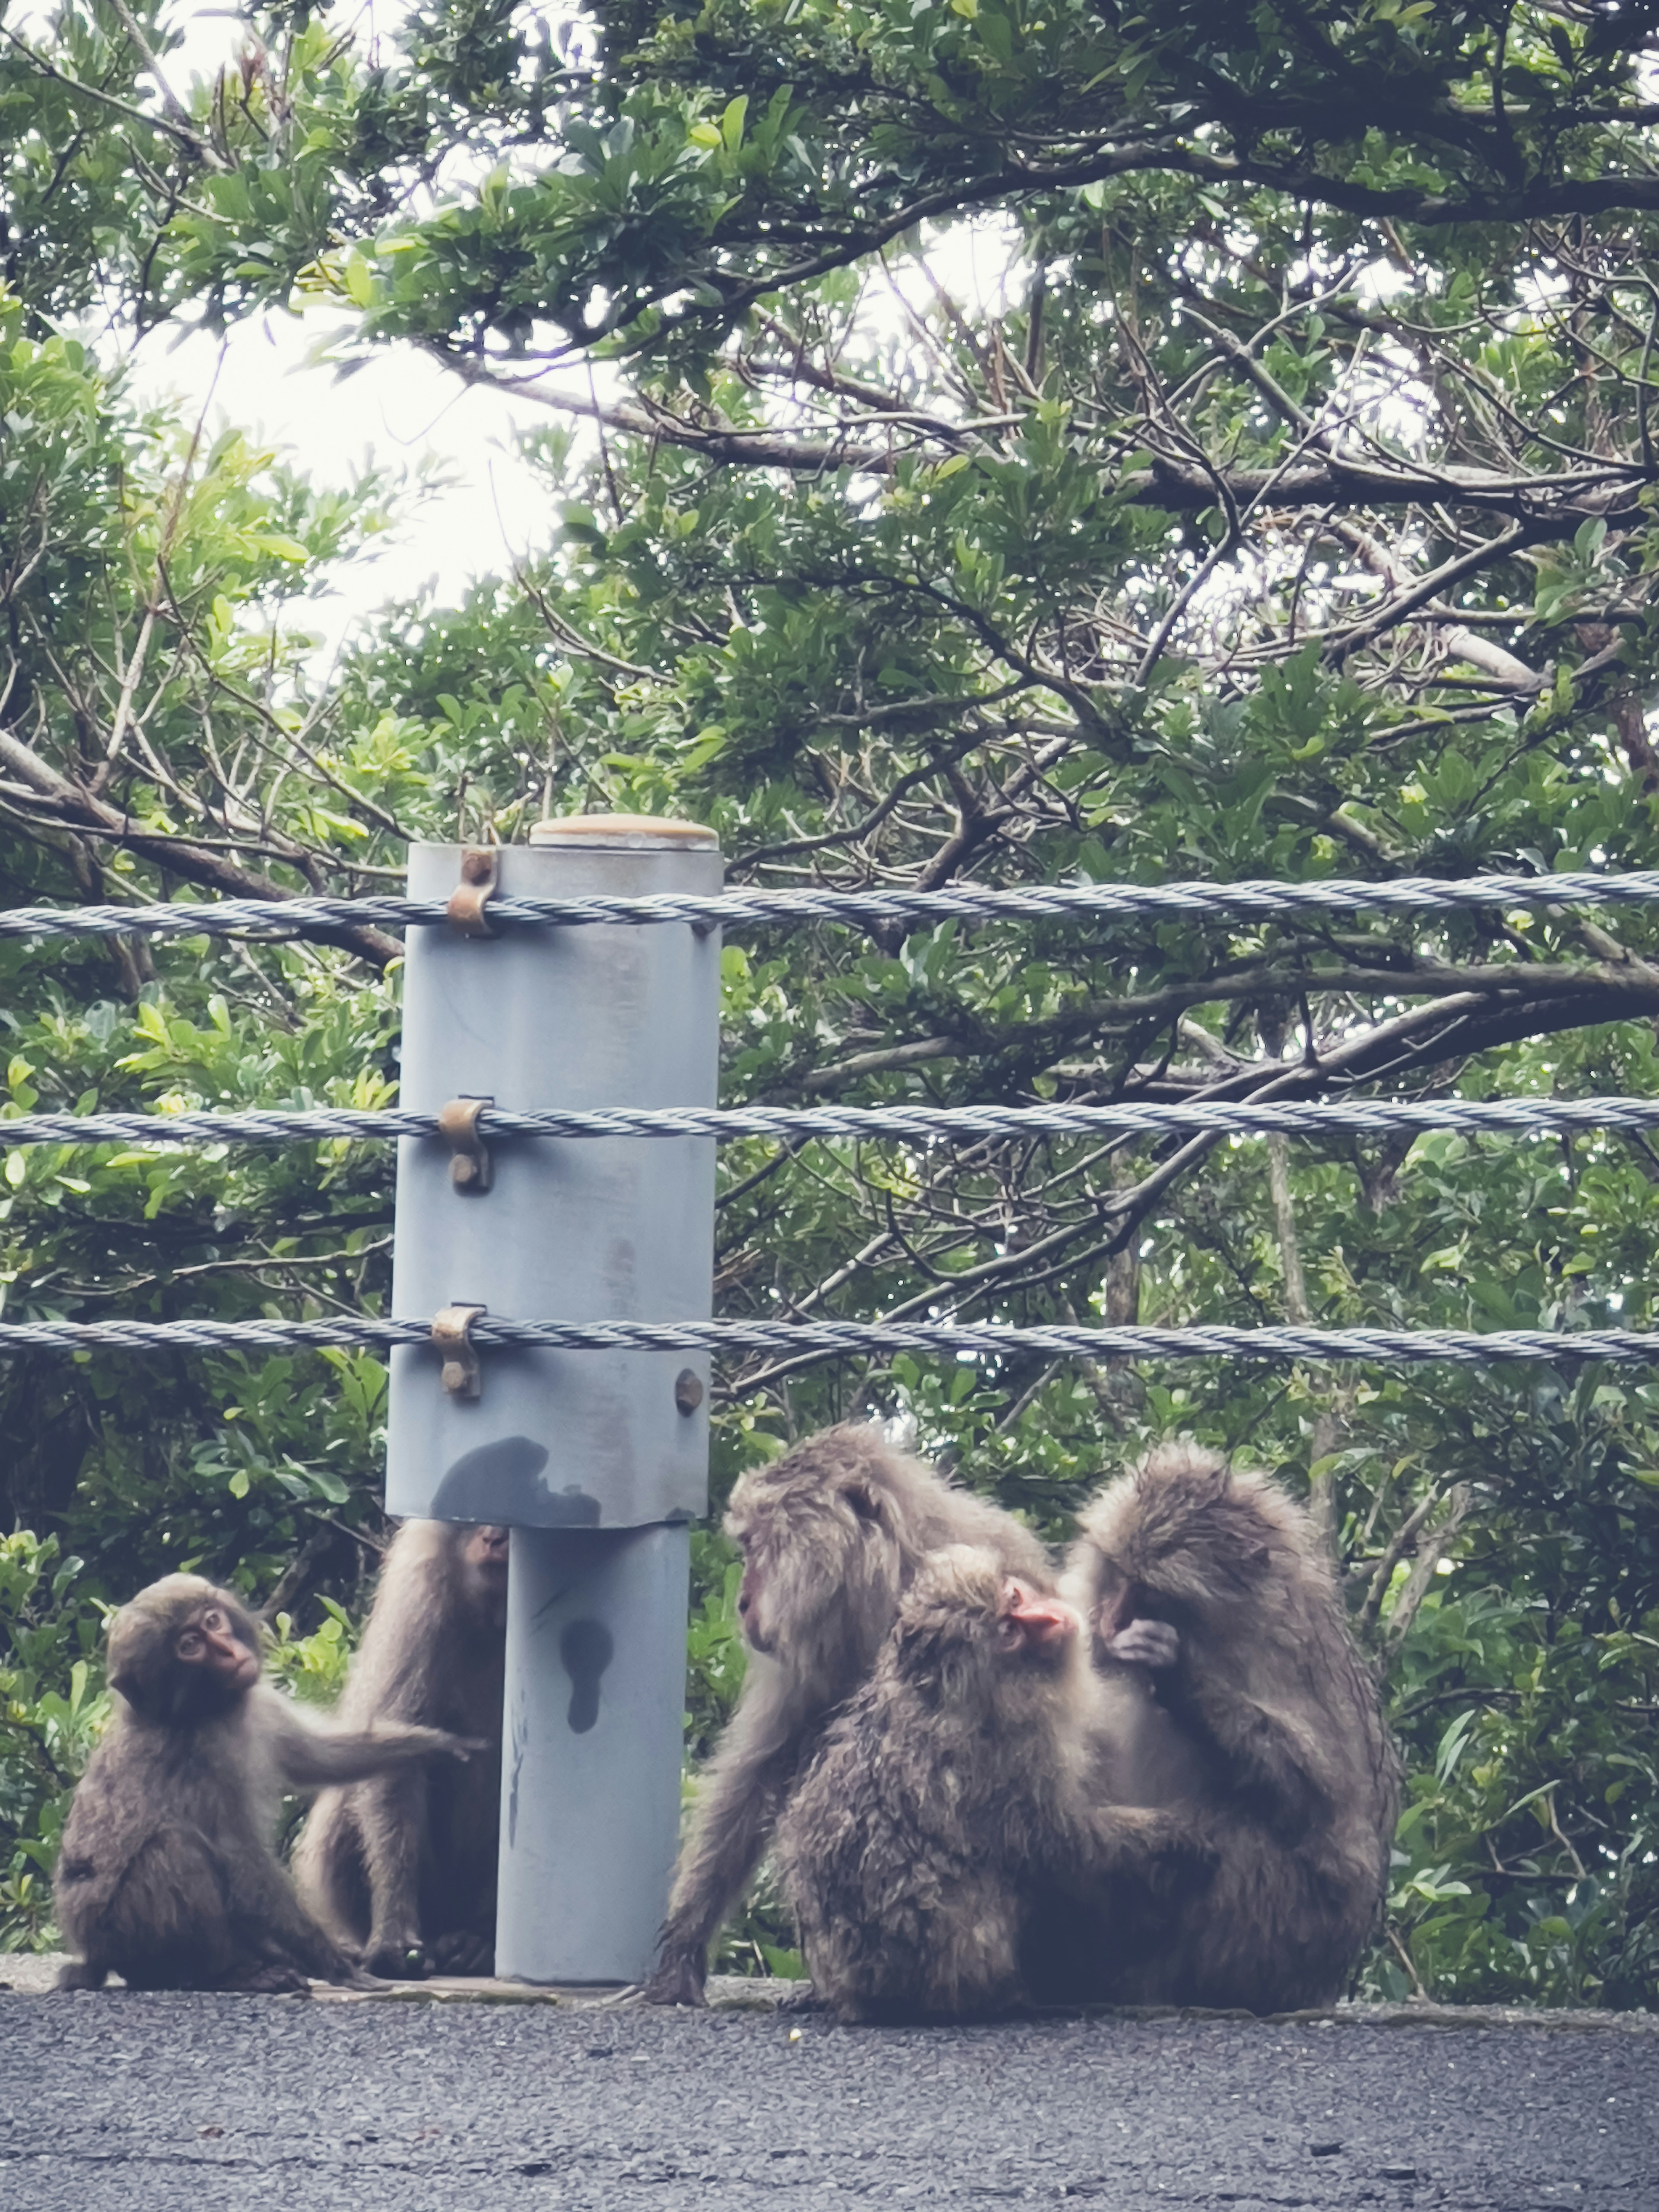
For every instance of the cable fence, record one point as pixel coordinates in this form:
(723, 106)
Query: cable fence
(917, 1125)
(734, 909)
(920, 1125)
(950, 1339)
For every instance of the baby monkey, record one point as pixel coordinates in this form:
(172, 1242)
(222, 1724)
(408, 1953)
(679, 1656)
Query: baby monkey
(168, 1876)
(953, 1791)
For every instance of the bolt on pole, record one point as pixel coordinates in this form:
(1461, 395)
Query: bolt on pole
(597, 1461)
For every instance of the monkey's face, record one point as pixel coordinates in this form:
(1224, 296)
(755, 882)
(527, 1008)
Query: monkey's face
(210, 1642)
(484, 1565)
(1033, 1629)
(817, 1557)
(1115, 1601)
(978, 1632)
(183, 1651)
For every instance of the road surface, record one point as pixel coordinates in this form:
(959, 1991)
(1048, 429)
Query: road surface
(117, 2102)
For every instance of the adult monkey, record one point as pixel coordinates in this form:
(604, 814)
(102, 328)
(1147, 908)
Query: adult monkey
(1235, 1603)
(953, 1792)
(831, 1536)
(402, 1868)
(167, 1874)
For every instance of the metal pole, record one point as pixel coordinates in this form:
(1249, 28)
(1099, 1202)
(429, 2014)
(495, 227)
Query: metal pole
(591, 1790)
(598, 1462)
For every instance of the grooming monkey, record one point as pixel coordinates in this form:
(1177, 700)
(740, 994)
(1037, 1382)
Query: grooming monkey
(167, 1874)
(953, 1791)
(1291, 1773)
(831, 1535)
(401, 1867)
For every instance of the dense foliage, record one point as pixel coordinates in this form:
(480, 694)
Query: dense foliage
(1022, 440)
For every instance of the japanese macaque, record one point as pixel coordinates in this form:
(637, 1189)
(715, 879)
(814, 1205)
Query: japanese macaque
(166, 1875)
(952, 1792)
(1218, 1581)
(402, 1868)
(831, 1535)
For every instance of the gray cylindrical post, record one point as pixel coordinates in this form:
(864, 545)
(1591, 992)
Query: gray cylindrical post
(597, 1461)
(591, 1792)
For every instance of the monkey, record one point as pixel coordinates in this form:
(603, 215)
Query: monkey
(166, 1875)
(949, 1793)
(830, 1534)
(401, 1868)
(1290, 1770)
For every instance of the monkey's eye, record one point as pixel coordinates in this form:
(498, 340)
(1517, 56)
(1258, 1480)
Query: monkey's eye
(190, 1645)
(1008, 1634)
(214, 1621)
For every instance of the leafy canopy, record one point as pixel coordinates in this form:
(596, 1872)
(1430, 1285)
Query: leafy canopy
(1023, 443)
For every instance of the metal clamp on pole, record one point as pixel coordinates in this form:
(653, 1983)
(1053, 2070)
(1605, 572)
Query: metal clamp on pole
(470, 1169)
(451, 1338)
(469, 900)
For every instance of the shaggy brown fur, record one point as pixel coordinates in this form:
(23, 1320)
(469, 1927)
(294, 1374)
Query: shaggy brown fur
(402, 1868)
(167, 1874)
(1293, 1771)
(953, 1790)
(831, 1536)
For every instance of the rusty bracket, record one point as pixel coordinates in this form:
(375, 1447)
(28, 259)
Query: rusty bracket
(470, 1169)
(469, 900)
(451, 1336)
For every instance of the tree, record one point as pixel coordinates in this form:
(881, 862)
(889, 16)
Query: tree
(1020, 443)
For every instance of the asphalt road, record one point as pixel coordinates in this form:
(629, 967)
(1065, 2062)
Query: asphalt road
(122, 2103)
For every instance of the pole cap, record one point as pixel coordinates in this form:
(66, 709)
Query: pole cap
(630, 832)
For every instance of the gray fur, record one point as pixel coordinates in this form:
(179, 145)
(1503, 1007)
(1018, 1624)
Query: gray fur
(950, 1795)
(401, 1867)
(832, 1535)
(1289, 1766)
(166, 1875)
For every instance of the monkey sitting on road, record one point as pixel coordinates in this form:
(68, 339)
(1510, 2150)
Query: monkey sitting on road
(1225, 1581)
(831, 1535)
(402, 1868)
(167, 1874)
(953, 1791)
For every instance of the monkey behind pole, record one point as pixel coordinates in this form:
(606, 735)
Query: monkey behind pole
(596, 1461)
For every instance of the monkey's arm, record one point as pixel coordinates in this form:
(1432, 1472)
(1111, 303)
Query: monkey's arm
(308, 1753)
(1160, 1848)
(1271, 1759)
(737, 1800)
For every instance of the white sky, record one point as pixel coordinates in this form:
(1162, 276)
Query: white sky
(396, 410)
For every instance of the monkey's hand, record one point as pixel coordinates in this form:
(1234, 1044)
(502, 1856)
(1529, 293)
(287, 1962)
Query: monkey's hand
(467, 1747)
(417, 1742)
(1166, 1850)
(1145, 1644)
(681, 1974)
(396, 1955)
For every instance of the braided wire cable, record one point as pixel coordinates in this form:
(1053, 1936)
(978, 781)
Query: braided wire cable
(953, 1339)
(1099, 901)
(915, 1124)
(1268, 900)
